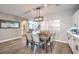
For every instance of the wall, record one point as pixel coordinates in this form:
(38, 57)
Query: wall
(76, 18)
(65, 18)
(9, 33)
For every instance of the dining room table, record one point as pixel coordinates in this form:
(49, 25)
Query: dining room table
(45, 36)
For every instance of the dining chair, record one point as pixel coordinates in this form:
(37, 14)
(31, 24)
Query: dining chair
(51, 41)
(48, 43)
(36, 43)
(29, 40)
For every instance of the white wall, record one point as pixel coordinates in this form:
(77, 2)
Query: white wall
(65, 18)
(76, 18)
(9, 33)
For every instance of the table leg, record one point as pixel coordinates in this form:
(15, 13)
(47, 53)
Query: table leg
(45, 46)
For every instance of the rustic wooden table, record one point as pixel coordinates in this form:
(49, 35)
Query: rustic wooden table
(45, 36)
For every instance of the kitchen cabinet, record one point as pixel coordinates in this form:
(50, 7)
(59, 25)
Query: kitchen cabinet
(73, 39)
(74, 44)
(75, 18)
(71, 43)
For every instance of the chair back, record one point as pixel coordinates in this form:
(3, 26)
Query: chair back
(29, 37)
(35, 38)
(52, 37)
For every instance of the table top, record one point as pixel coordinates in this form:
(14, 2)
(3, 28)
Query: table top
(45, 35)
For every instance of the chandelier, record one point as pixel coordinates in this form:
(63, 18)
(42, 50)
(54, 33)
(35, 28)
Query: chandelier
(38, 18)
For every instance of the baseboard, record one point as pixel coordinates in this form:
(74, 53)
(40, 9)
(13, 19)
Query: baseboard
(21, 37)
(10, 39)
(61, 41)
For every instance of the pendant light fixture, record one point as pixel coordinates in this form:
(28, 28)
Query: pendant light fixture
(38, 18)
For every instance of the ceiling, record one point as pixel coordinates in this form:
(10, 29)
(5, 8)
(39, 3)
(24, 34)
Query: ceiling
(17, 9)
(23, 9)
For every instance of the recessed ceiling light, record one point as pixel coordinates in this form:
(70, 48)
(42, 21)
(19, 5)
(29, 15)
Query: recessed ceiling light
(45, 5)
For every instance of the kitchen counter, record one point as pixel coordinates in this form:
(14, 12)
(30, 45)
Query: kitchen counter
(72, 34)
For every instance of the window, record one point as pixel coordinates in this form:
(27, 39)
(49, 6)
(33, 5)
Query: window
(33, 25)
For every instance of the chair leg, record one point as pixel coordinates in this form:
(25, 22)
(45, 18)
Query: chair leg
(32, 45)
(40, 47)
(34, 51)
(27, 43)
(51, 47)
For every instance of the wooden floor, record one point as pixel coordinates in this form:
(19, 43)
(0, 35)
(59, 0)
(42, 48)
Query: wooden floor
(18, 47)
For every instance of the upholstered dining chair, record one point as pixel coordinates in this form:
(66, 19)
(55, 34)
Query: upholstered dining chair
(36, 41)
(51, 42)
(48, 43)
(29, 39)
